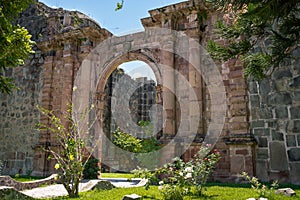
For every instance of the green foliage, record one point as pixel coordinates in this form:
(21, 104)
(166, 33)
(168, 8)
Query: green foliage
(133, 144)
(1, 167)
(71, 154)
(179, 178)
(248, 24)
(91, 169)
(119, 5)
(261, 189)
(15, 43)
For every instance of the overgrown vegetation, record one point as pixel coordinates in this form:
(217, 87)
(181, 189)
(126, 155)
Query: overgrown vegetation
(15, 43)
(262, 33)
(134, 144)
(71, 155)
(179, 178)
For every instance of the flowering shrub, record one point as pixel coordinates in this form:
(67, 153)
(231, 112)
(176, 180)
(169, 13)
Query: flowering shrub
(261, 189)
(71, 154)
(180, 178)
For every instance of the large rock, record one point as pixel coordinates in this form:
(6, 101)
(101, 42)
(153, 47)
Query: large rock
(286, 191)
(9, 193)
(131, 197)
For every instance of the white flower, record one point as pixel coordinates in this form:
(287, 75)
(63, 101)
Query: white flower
(188, 169)
(74, 88)
(180, 173)
(160, 187)
(160, 182)
(188, 175)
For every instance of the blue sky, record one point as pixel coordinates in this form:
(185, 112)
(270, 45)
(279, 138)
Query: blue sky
(119, 22)
(124, 21)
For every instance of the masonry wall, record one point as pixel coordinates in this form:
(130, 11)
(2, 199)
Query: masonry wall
(275, 122)
(19, 114)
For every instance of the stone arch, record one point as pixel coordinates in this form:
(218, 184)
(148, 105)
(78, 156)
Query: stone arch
(140, 55)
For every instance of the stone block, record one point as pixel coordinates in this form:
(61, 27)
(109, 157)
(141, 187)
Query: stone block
(264, 87)
(261, 132)
(281, 112)
(298, 139)
(295, 82)
(291, 140)
(262, 153)
(252, 87)
(286, 191)
(282, 98)
(294, 154)
(131, 197)
(296, 96)
(237, 164)
(279, 74)
(254, 100)
(262, 170)
(278, 158)
(295, 173)
(295, 112)
(262, 142)
(276, 135)
(257, 124)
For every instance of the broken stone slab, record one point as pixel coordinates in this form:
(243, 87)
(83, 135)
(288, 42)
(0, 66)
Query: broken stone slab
(131, 197)
(7, 193)
(286, 191)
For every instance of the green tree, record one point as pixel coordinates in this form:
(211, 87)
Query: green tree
(262, 33)
(15, 43)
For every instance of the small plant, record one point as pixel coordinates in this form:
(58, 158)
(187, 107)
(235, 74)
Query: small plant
(71, 156)
(91, 169)
(1, 167)
(261, 189)
(133, 144)
(180, 178)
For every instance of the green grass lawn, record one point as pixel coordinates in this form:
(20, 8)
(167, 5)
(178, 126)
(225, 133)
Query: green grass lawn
(116, 175)
(24, 178)
(215, 191)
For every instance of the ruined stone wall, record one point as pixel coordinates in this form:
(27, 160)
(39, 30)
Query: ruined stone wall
(197, 20)
(63, 39)
(275, 122)
(19, 114)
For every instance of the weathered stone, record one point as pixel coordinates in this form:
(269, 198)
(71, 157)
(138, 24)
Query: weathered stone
(281, 112)
(291, 140)
(278, 158)
(295, 82)
(252, 86)
(262, 142)
(279, 74)
(262, 170)
(7, 193)
(264, 87)
(286, 191)
(254, 99)
(280, 98)
(103, 185)
(298, 139)
(295, 172)
(294, 154)
(262, 153)
(131, 197)
(262, 132)
(295, 112)
(277, 136)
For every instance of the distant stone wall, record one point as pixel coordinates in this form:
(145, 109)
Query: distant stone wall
(19, 114)
(275, 122)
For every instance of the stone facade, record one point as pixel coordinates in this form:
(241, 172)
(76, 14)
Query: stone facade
(275, 122)
(266, 112)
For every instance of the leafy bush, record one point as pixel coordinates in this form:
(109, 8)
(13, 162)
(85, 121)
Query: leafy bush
(91, 169)
(180, 178)
(261, 189)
